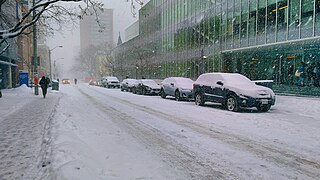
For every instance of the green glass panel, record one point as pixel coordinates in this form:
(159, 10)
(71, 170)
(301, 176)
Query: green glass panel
(262, 4)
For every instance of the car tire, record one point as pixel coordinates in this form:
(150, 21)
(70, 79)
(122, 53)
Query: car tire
(264, 108)
(163, 94)
(134, 91)
(199, 100)
(143, 91)
(177, 95)
(232, 104)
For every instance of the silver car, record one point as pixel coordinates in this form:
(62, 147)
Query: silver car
(178, 87)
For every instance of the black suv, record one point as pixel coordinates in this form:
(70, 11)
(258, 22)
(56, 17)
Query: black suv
(234, 91)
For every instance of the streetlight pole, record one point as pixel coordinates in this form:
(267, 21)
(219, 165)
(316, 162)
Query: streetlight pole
(54, 68)
(50, 69)
(35, 54)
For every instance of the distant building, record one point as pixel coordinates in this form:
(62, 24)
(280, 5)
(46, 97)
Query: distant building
(132, 31)
(94, 33)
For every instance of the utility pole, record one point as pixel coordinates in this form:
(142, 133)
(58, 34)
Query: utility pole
(35, 51)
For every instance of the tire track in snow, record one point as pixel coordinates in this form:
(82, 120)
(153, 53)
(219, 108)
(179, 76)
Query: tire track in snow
(175, 153)
(271, 153)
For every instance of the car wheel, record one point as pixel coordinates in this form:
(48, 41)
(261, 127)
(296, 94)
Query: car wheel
(143, 91)
(163, 94)
(199, 100)
(134, 91)
(232, 104)
(121, 89)
(264, 108)
(177, 95)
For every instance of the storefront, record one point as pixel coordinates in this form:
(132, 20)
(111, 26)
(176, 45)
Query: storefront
(7, 71)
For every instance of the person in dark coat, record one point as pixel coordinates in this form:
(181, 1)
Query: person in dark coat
(44, 83)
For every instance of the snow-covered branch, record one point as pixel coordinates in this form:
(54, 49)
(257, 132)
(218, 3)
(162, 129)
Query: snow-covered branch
(45, 9)
(5, 48)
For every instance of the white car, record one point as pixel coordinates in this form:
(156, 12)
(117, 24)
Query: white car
(110, 82)
(234, 91)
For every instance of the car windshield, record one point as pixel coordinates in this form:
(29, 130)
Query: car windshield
(184, 82)
(149, 83)
(237, 79)
(112, 79)
(131, 81)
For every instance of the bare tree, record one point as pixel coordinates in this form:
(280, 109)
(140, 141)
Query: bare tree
(45, 12)
(95, 61)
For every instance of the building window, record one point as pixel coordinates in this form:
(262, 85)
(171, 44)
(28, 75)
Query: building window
(282, 20)
(224, 19)
(236, 24)
(294, 19)
(307, 18)
(244, 23)
(252, 22)
(317, 21)
(229, 31)
(261, 25)
(272, 11)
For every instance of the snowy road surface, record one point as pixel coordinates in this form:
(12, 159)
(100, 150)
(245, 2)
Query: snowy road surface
(87, 132)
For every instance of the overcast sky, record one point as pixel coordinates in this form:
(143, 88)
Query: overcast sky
(70, 40)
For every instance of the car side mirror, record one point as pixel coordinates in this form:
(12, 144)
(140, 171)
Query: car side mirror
(172, 84)
(140, 84)
(220, 83)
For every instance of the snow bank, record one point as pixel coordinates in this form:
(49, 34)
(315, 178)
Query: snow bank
(23, 90)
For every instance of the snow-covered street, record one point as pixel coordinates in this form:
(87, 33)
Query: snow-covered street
(89, 132)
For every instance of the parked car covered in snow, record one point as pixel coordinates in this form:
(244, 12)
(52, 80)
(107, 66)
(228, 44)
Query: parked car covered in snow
(127, 84)
(110, 82)
(234, 91)
(146, 86)
(178, 87)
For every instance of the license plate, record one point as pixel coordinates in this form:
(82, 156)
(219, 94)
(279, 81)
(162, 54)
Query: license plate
(264, 101)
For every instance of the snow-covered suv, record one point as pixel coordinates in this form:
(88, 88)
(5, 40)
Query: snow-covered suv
(233, 91)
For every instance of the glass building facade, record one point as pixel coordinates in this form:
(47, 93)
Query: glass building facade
(262, 39)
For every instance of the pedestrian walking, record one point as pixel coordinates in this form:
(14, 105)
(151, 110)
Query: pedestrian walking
(75, 80)
(44, 83)
(300, 74)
